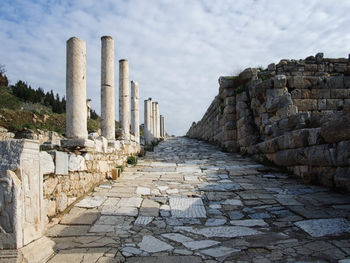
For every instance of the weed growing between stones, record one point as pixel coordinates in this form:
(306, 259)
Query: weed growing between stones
(132, 160)
(121, 167)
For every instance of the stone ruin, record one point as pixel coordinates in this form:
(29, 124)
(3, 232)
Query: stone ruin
(295, 114)
(40, 180)
(154, 126)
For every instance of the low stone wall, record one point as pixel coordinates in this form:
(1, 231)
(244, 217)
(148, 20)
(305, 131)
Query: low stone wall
(37, 184)
(295, 114)
(71, 172)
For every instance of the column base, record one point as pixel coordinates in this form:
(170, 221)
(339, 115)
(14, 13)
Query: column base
(77, 142)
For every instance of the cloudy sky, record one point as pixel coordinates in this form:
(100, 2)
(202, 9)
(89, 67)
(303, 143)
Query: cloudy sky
(177, 49)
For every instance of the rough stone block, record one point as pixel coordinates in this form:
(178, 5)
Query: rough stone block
(336, 129)
(61, 162)
(342, 178)
(76, 163)
(322, 104)
(335, 82)
(279, 81)
(305, 104)
(77, 143)
(47, 165)
(22, 216)
(340, 93)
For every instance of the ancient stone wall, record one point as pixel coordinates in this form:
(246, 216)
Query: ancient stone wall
(295, 114)
(37, 184)
(71, 172)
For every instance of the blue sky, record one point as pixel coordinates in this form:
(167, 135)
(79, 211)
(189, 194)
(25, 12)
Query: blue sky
(176, 49)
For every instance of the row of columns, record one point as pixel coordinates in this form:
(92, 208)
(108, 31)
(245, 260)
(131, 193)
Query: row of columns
(154, 127)
(76, 114)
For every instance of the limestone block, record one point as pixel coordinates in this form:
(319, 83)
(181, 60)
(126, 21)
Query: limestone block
(279, 81)
(61, 162)
(299, 82)
(335, 82)
(225, 82)
(38, 251)
(103, 166)
(271, 67)
(334, 104)
(305, 104)
(93, 136)
(77, 143)
(249, 74)
(51, 207)
(346, 82)
(322, 104)
(343, 153)
(320, 155)
(289, 157)
(342, 178)
(61, 202)
(104, 144)
(98, 146)
(47, 165)
(340, 93)
(287, 111)
(76, 162)
(22, 209)
(50, 184)
(311, 67)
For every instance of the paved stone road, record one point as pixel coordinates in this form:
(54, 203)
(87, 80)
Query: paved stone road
(189, 202)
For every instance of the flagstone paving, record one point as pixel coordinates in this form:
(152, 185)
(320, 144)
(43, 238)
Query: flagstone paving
(189, 202)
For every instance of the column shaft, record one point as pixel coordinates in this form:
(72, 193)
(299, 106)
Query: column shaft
(148, 121)
(135, 113)
(162, 132)
(154, 119)
(76, 111)
(107, 88)
(158, 121)
(124, 98)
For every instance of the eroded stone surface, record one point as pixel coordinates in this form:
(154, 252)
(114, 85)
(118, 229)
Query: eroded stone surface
(255, 218)
(324, 227)
(151, 244)
(187, 207)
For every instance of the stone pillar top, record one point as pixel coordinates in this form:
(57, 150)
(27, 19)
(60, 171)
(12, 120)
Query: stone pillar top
(75, 38)
(106, 37)
(122, 60)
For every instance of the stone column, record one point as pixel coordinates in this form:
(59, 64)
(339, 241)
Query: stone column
(124, 98)
(162, 131)
(135, 113)
(158, 121)
(148, 121)
(107, 88)
(76, 114)
(154, 119)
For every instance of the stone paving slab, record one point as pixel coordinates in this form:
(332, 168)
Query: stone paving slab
(187, 207)
(189, 202)
(324, 227)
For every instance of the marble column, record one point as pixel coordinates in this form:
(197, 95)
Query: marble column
(124, 98)
(135, 113)
(154, 119)
(157, 121)
(148, 121)
(107, 88)
(76, 113)
(162, 126)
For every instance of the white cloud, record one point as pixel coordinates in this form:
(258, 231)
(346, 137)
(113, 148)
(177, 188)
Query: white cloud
(176, 49)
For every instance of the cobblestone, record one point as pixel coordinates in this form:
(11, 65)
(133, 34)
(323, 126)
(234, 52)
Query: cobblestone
(190, 202)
